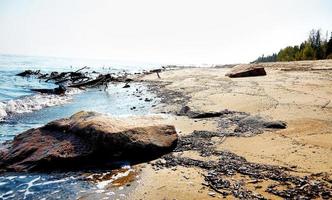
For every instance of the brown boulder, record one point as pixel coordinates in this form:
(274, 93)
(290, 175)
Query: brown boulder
(86, 139)
(246, 71)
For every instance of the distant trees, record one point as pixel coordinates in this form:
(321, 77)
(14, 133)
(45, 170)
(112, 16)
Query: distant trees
(329, 48)
(314, 48)
(271, 58)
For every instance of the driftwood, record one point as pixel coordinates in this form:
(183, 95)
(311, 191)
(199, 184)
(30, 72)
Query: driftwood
(66, 76)
(28, 73)
(100, 80)
(156, 71)
(79, 79)
(59, 90)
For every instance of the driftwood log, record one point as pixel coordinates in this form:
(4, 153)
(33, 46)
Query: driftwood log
(75, 79)
(59, 90)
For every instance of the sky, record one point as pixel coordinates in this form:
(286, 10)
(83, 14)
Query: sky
(161, 31)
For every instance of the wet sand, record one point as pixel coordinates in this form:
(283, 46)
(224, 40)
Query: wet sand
(296, 92)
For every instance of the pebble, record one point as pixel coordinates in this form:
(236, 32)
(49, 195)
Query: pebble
(162, 161)
(212, 194)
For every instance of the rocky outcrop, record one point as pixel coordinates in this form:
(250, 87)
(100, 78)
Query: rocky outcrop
(235, 123)
(246, 71)
(186, 111)
(86, 139)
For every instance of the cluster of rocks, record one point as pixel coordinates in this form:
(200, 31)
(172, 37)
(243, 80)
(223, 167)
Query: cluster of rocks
(219, 174)
(166, 96)
(234, 123)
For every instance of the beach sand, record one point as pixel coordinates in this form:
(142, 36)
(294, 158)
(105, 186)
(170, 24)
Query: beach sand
(299, 93)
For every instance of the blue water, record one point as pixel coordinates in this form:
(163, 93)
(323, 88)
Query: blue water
(15, 94)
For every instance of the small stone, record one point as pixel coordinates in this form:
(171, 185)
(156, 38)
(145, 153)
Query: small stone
(212, 194)
(126, 86)
(162, 161)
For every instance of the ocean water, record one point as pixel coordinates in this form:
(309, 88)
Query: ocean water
(22, 109)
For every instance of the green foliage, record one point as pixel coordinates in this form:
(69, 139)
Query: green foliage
(308, 53)
(314, 48)
(288, 54)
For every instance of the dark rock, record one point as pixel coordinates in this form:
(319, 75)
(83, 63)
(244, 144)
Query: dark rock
(246, 71)
(275, 124)
(196, 115)
(186, 111)
(126, 86)
(155, 70)
(244, 123)
(251, 123)
(28, 73)
(25, 73)
(86, 139)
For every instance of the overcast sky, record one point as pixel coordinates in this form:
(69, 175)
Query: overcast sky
(162, 31)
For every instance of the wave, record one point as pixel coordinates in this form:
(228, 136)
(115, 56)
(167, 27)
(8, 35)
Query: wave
(35, 102)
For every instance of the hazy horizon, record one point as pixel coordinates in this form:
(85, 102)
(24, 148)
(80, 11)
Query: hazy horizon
(173, 32)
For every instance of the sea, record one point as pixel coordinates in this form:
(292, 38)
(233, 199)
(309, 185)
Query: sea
(22, 109)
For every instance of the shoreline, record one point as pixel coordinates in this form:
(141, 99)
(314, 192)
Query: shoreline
(298, 96)
(220, 154)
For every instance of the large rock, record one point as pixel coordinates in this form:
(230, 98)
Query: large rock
(246, 70)
(86, 139)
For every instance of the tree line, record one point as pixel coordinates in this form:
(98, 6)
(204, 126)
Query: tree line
(314, 48)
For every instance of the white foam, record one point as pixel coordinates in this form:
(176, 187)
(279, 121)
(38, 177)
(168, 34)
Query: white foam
(2, 183)
(55, 181)
(35, 102)
(3, 112)
(6, 195)
(29, 185)
(56, 191)
(103, 184)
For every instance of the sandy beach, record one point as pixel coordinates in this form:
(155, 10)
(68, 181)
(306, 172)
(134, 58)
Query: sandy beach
(166, 100)
(298, 93)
